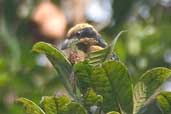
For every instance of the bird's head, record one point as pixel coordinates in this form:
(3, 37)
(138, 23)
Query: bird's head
(83, 35)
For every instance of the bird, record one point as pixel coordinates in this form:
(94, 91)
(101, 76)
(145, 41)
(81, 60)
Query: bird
(81, 40)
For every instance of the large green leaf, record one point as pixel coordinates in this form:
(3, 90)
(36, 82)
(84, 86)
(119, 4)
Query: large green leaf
(106, 54)
(111, 80)
(149, 85)
(154, 78)
(59, 61)
(164, 102)
(120, 83)
(30, 107)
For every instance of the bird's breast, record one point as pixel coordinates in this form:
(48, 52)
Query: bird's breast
(88, 41)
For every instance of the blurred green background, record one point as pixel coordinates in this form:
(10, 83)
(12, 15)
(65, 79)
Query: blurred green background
(146, 44)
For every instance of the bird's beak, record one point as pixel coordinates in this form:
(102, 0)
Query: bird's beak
(68, 42)
(65, 44)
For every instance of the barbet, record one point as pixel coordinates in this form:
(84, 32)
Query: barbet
(81, 40)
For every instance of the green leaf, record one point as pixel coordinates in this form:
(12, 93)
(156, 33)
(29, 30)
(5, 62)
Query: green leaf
(30, 107)
(164, 102)
(115, 41)
(100, 56)
(151, 82)
(82, 72)
(91, 98)
(97, 57)
(74, 108)
(61, 103)
(113, 112)
(65, 106)
(120, 83)
(154, 78)
(111, 80)
(54, 105)
(59, 61)
(48, 104)
(139, 97)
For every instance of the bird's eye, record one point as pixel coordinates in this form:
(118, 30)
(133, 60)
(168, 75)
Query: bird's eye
(78, 33)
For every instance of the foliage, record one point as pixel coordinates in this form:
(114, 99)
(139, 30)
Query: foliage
(145, 45)
(104, 87)
(164, 101)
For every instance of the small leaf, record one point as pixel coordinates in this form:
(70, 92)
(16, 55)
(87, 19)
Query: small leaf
(59, 61)
(61, 102)
(48, 104)
(91, 98)
(30, 107)
(74, 108)
(115, 41)
(164, 102)
(54, 105)
(65, 106)
(113, 112)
